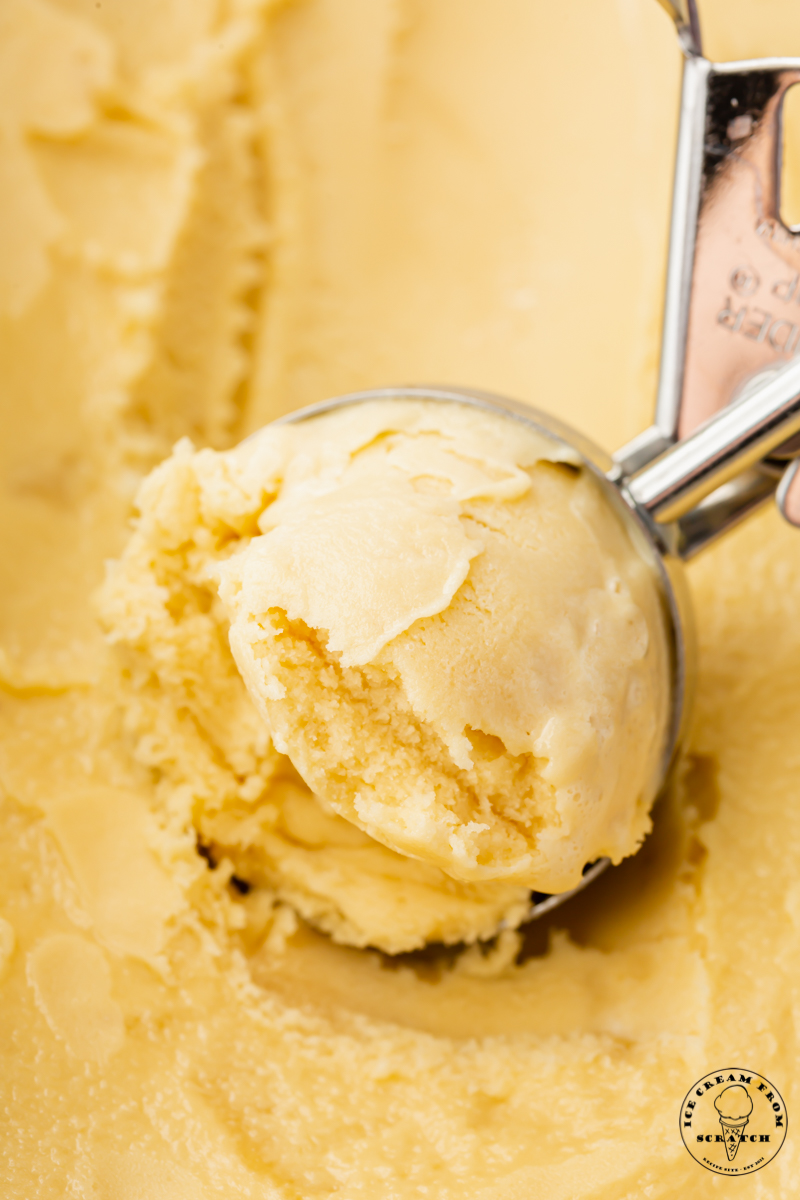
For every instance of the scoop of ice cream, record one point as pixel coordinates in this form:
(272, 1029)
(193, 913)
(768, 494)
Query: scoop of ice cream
(734, 1103)
(448, 631)
(190, 720)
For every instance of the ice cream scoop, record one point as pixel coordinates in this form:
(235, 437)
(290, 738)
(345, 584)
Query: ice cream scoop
(727, 409)
(669, 509)
(452, 635)
(734, 1103)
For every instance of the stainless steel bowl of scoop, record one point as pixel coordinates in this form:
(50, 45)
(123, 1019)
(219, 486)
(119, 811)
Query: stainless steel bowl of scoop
(672, 506)
(724, 439)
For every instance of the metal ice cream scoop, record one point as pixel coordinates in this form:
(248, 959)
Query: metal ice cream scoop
(729, 387)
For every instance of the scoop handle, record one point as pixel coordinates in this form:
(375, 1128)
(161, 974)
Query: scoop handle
(687, 23)
(733, 284)
(724, 456)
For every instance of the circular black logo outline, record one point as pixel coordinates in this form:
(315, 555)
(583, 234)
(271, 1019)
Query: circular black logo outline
(725, 1075)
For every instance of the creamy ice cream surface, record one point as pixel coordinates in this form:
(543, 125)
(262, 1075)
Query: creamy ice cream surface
(194, 722)
(444, 616)
(211, 214)
(448, 631)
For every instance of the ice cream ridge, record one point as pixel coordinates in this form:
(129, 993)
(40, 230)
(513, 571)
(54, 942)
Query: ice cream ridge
(449, 637)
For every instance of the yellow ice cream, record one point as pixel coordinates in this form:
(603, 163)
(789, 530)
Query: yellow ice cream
(210, 215)
(192, 721)
(448, 630)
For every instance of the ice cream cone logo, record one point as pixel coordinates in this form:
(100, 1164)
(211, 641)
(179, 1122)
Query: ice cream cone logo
(734, 1106)
(733, 1121)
